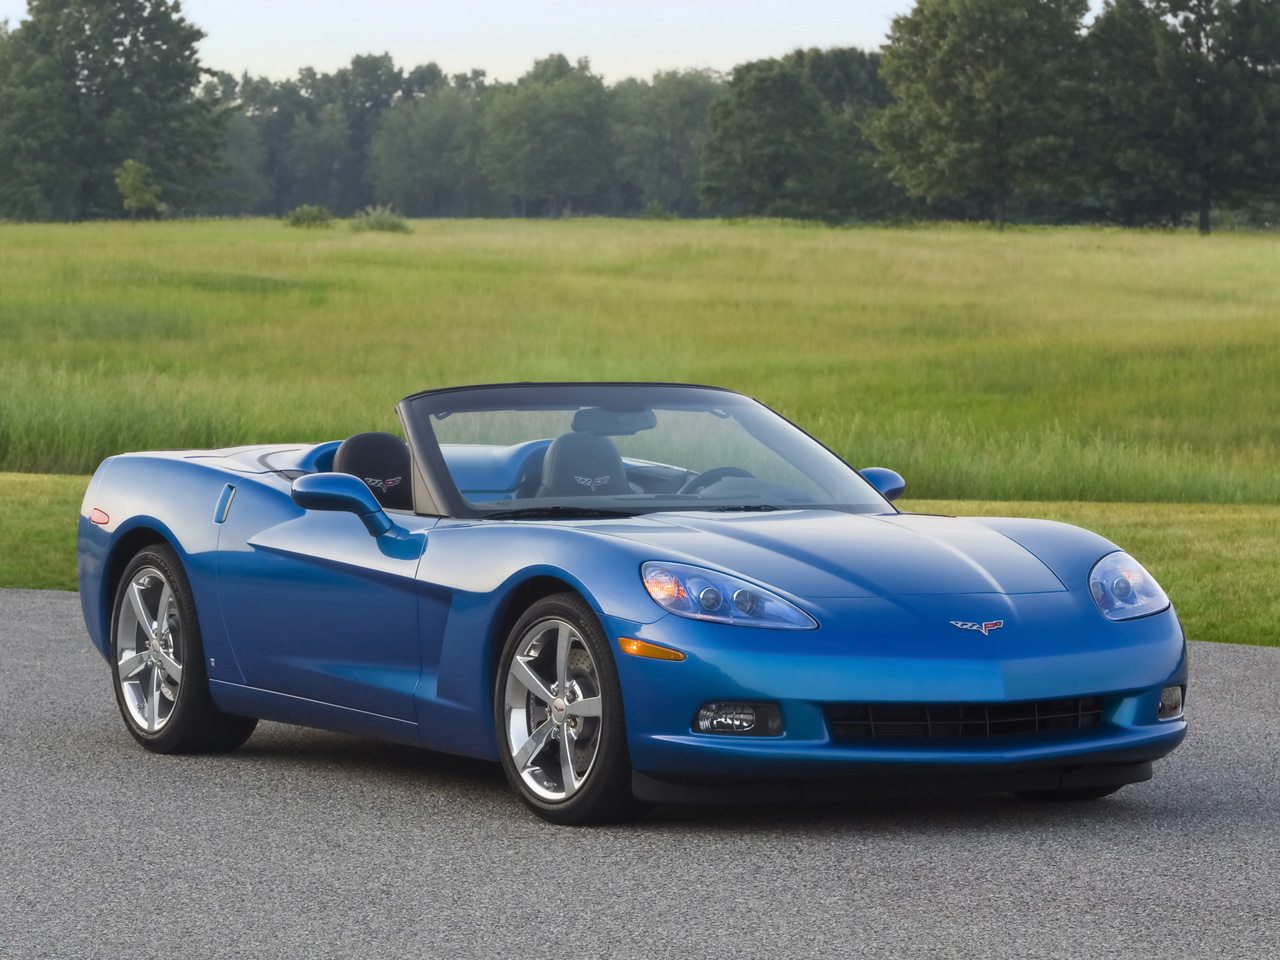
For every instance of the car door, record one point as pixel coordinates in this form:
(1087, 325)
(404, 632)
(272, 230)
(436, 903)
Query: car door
(316, 608)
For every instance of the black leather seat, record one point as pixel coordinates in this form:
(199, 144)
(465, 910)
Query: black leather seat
(382, 461)
(582, 465)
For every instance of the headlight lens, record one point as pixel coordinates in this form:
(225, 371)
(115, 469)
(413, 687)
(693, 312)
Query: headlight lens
(706, 595)
(1123, 590)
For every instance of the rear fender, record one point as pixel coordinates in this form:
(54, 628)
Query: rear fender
(154, 500)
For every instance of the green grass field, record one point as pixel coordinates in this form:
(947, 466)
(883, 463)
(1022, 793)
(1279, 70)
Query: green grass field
(1220, 563)
(1045, 364)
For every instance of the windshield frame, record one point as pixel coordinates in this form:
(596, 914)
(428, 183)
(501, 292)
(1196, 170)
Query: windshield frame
(435, 490)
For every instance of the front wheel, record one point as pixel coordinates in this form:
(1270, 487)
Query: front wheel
(558, 714)
(157, 660)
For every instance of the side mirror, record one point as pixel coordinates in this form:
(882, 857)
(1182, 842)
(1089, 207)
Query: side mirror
(343, 492)
(888, 482)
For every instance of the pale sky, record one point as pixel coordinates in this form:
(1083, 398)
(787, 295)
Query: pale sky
(631, 38)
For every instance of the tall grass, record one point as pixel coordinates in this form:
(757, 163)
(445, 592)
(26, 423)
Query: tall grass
(1032, 364)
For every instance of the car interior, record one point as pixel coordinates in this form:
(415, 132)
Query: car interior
(603, 456)
(574, 464)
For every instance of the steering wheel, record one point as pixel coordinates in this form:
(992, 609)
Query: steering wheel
(714, 475)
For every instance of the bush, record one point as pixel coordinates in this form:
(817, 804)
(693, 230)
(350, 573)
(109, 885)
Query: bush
(309, 215)
(380, 218)
(139, 192)
(657, 210)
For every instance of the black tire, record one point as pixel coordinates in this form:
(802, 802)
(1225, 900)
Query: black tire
(195, 724)
(605, 795)
(1069, 794)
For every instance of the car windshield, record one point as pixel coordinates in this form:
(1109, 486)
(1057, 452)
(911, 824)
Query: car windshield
(551, 450)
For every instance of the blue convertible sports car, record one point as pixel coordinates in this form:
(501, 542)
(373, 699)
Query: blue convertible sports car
(625, 594)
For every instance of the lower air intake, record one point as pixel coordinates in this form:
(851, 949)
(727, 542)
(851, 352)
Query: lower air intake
(961, 721)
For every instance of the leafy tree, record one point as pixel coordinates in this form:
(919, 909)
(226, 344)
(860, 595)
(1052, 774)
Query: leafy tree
(476, 81)
(315, 132)
(660, 131)
(986, 98)
(358, 94)
(37, 166)
(242, 187)
(547, 137)
(425, 156)
(422, 81)
(1137, 173)
(1222, 60)
(88, 84)
(139, 193)
(768, 143)
(273, 109)
(1186, 95)
(788, 139)
(855, 180)
(320, 161)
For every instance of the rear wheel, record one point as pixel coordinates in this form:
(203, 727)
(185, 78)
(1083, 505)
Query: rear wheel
(558, 714)
(157, 659)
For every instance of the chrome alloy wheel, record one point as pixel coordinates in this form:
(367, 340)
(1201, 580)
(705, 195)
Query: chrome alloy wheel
(149, 649)
(552, 710)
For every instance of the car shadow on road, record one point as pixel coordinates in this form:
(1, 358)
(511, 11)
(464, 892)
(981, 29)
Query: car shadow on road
(363, 764)
(339, 757)
(958, 813)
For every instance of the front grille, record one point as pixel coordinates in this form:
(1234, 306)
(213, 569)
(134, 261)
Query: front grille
(961, 721)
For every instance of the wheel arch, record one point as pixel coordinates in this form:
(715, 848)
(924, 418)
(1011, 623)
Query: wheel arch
(519, 599)
(126, 546)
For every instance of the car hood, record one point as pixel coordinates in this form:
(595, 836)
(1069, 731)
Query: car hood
(821, 553)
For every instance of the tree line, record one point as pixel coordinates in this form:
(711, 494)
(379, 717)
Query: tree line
(1152, 112)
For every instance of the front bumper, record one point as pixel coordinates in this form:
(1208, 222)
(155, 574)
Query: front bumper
(873, 782)
(1126, 665)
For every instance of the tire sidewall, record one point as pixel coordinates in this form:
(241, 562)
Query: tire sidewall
(164, 559)
(610, 775)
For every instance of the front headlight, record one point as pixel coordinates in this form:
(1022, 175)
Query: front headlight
(1123, 590)
(706, 595)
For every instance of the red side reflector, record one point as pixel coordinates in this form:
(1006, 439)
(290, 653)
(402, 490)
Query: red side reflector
(98, 517)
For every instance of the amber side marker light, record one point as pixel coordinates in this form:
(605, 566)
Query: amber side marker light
(638, 648)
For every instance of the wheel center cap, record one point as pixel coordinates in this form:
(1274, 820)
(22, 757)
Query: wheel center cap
(559, 710)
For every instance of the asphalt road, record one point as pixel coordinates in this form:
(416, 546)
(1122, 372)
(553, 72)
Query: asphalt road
(307, 844)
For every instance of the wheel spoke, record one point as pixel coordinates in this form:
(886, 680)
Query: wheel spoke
(568, 775)
(586, 707)
(130, 667)
(521, 670)
(153, 701)
(140, 611)
(533, 746)
(170, 666)
(562, 659)
(162, 609)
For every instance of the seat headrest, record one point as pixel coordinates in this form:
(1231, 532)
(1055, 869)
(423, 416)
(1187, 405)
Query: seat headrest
(382, 461)
(582, 464)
